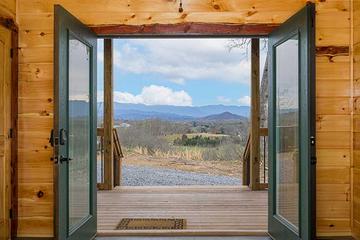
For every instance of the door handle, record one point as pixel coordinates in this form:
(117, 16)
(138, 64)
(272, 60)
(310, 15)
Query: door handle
(65, 159)
(63, 137)
(53, 140)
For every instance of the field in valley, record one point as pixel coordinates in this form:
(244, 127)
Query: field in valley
(208, 147)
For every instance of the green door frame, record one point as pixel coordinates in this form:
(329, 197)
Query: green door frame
(302, 25)
(67, 25)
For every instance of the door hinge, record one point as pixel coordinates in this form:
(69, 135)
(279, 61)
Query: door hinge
(313, 160)
(11, 133)
(11, 52)
(312, 21)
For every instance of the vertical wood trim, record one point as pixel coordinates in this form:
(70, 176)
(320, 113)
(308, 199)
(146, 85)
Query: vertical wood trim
(255, 116)
(14, 140)
(108, 114)
(354, 230)
(10, 24)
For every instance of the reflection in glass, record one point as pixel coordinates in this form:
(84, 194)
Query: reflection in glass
(287, 131)
(79, 132)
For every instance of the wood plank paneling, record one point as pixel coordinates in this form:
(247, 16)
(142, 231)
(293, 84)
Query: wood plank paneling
(333, 88)
(8, 8)
(356, 122)
(334, 103)
(333, 157)
(36, 38)
(334, 123)
(35, 226)
(335, 192)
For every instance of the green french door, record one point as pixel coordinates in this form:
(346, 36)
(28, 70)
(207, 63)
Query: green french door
(292, 128)
(74, 135)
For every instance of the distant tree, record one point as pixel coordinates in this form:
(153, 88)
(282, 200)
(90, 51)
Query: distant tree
(184, 138)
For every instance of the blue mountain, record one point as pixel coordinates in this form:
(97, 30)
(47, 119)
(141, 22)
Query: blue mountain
(128, 111)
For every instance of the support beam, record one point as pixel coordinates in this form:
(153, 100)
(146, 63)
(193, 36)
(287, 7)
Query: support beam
(185, 29)
(255, 116)
(108, 115)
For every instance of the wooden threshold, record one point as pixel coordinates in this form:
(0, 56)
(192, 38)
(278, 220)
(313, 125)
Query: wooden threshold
(110, 233)
(208, 210)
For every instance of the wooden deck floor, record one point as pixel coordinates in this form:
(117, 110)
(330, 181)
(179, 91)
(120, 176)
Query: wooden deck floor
(209, 210)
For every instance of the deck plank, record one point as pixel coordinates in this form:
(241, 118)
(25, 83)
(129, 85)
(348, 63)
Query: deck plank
(209, 210)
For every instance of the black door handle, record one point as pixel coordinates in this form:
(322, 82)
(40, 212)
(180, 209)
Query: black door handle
(64, 159)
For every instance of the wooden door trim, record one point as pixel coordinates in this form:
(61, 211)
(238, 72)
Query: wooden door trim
(186, 29)
(11, 25)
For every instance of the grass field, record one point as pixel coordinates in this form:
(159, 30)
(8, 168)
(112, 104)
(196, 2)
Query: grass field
(172, 137)
(205, 147)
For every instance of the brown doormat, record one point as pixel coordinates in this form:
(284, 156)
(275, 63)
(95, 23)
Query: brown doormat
(150, 223)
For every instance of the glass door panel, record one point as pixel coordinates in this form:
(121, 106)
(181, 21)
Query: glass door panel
(79, 132)
(287, 131)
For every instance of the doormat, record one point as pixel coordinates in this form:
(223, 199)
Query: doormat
(150, 224)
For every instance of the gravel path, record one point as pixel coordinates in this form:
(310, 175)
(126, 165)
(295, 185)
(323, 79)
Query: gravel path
(150, 176)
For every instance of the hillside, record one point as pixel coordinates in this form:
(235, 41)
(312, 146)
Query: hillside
(223, 116)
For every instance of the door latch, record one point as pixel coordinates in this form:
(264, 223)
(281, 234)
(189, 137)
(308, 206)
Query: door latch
(312, 141)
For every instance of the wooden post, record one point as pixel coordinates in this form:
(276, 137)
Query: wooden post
(255, 116)
(108, 115)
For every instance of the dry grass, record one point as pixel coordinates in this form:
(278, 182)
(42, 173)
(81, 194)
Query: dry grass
(172, 137)
(139, 157)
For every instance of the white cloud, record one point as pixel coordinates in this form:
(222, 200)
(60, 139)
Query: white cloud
(244, 101)
(179, 81)
(180, 60)
(125, 97)
(223, 99)
(153, 95)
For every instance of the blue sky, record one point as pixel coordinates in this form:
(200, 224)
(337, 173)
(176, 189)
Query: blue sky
(185, 72)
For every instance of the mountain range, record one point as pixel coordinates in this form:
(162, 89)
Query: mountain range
(125, 111)
(128, 111)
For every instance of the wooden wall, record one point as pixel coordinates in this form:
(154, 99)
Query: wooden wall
(356, 120)
(333, 119)
(8, 8)
(35, 18)
(5, 125)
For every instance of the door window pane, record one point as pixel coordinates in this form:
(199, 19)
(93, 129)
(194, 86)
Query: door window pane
(287, 131)
(79, 132)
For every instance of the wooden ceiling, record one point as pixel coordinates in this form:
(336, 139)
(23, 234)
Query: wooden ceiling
(138, 12)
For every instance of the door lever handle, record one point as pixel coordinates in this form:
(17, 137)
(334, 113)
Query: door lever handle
(65, 159)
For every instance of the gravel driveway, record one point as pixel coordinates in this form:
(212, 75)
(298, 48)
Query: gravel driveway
(150, 176)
